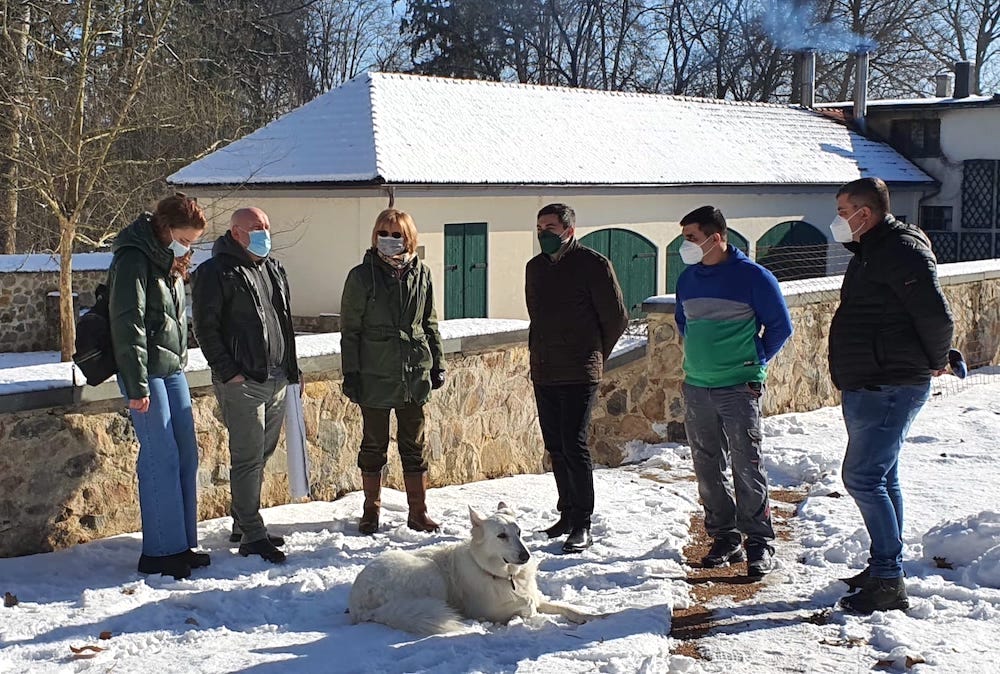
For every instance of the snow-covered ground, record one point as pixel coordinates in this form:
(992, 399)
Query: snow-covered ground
(241, 614)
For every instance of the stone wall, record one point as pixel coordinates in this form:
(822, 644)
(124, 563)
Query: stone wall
(29, 316)
(68, 475)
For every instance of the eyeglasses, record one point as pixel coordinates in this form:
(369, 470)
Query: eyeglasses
(385, 232)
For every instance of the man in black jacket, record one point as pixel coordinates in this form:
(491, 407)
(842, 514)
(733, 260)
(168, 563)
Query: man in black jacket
(889, 336)
(243, 322)
(577, 315)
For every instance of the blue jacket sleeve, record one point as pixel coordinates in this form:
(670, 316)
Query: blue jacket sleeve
(772, 313)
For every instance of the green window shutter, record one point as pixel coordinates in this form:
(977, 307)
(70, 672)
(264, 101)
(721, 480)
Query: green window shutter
(465, 267)
(675, 265)
(634, 261)
(793, 250)
(454, 267)
(475, 270)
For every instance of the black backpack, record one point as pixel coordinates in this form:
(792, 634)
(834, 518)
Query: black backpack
(94, 355)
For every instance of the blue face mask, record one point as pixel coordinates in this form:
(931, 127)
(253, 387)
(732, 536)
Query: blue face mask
(260, 242)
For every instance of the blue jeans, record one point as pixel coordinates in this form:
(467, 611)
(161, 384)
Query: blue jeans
(167, 468)
(877, 422)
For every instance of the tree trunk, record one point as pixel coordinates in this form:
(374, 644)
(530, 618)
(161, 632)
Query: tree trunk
(13, 51)
(67, 312)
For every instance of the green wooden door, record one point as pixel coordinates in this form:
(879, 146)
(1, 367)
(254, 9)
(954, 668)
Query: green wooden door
(675, 265)
(465, 270)
(634, 260)
(793, 250)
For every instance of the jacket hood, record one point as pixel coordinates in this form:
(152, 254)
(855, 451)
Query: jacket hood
(140, 235)
(226, 245)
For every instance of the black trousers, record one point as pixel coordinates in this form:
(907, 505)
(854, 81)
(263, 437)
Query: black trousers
(564, 416)
(375, 438)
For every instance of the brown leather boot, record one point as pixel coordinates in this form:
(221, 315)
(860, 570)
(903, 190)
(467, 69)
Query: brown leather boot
(416, 498)
(372, 484)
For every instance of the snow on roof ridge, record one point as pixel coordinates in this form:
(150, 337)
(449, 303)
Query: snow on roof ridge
(577, 90)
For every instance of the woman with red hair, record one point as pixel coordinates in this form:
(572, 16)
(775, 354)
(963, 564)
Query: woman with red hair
(149, 336)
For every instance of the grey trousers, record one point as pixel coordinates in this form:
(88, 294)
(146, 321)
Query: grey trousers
(254, 414)
(723, 426)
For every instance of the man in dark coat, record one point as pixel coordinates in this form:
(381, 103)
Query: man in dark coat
(889, 336)
(577, 315)
(243, 322)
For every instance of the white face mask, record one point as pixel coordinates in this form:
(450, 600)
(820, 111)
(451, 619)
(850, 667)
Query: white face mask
(841, 230)
(178, 248)
(390, 246)
(692, 253)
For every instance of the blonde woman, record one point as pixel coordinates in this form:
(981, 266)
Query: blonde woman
(391, 359)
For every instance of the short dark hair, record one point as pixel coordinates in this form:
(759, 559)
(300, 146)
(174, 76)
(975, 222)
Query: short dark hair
(566, 215)
(709, 219)
(870, 192)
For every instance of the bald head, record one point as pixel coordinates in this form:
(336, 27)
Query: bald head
(247, 220)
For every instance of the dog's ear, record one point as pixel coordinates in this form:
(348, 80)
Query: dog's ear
(477, 523)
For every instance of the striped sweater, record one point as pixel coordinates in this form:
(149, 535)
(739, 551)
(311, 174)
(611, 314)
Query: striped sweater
(721, 310)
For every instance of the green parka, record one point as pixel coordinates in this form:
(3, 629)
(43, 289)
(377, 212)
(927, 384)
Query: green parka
(146, 309)
(389, 332)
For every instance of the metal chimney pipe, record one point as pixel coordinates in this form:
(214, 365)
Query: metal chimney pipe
(861, 90)
(808, 80)
(963, 79)
(942, 85)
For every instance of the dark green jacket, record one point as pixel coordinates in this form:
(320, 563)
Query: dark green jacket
(146, 309)
(389, 332)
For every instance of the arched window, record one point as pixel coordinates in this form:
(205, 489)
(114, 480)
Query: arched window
(675, 265)
(793, 250)
(634, 259)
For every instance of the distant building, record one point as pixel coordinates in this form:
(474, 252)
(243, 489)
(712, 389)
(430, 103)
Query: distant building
(473, 162)
(955, 138)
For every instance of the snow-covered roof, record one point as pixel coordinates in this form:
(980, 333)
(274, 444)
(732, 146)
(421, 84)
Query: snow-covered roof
(976, 101)
(401, 129)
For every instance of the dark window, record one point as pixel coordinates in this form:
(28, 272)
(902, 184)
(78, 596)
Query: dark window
(917, 137)
(935, 218)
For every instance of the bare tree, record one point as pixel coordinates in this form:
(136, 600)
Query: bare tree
(13, 50)
(965, 30)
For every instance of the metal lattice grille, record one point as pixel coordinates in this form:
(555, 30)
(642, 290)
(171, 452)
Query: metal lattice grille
(976, 246)
(945, 245)
(978, 194)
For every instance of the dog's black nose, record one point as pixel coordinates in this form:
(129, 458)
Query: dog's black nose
(524, 556)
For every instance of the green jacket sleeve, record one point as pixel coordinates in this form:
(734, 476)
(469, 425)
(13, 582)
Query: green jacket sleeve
(430, 324)
(352, 313)
(127, 314)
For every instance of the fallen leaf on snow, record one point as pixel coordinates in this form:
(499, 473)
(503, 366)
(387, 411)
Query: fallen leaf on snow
(85, 651)
(191, 621)
(943, 563)
(9, 600)
(105, 635)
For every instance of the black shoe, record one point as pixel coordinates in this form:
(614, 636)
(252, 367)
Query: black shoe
(276, 541)
(196, 560)
(578, 540)
(168, 565)
(858, 581)
(560, 528)
(265, 549)
(723, 551)
(880, 594)
(760, 559)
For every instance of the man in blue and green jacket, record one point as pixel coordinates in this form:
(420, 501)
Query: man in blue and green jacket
(734, 320)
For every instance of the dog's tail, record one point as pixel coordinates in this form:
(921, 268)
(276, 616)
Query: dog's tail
(420, 615)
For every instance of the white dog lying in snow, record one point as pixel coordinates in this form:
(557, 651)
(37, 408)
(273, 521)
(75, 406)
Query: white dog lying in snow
(429, 591)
